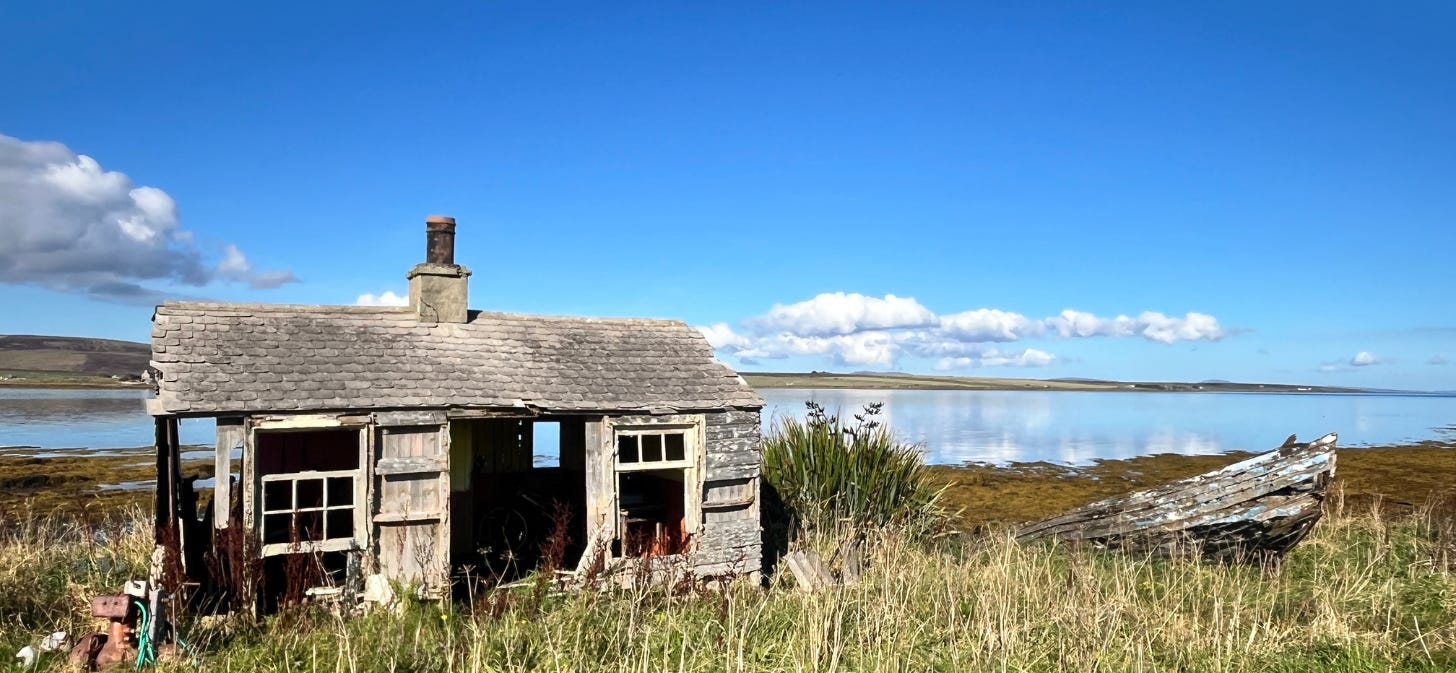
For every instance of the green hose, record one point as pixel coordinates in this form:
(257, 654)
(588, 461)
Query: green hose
(144, 642)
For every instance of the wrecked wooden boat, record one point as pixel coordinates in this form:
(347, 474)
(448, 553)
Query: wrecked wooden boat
(1252, 511)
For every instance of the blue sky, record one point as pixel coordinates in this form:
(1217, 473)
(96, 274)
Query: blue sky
(1262, 191)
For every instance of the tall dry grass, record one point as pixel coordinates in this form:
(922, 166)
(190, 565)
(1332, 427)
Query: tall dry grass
(51, 566)
(1363, 593)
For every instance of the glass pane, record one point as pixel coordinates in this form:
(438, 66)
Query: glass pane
(341, 491)
(310, 493)
(627, 448)
(277, 496)
(275, 528)
(340, 524)
(310, 526)
(676, 447)
(288, 452)
(651, 448)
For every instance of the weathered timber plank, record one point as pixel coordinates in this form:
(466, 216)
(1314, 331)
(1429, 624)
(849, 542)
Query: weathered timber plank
(409, 417)
(229, 437)
(1224, 486)
(1147, 509)
(809, 571)
(732, 472)
(410, 465)
(601, 490)
(1256, 508)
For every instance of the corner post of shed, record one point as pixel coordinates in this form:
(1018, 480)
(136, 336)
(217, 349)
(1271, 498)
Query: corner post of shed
(229, 439)
(167, 520)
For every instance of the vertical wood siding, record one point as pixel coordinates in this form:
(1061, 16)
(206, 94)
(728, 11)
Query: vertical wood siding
(731, 538)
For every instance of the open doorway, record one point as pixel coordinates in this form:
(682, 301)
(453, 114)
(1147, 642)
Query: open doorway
(518, 494)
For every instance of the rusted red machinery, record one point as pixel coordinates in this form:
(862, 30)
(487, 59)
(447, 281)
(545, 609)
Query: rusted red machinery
(135, 625)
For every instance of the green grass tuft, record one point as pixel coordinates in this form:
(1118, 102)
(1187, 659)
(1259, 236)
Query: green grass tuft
(830, 472)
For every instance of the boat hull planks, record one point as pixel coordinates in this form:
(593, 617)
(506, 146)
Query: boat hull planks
(1252, 511)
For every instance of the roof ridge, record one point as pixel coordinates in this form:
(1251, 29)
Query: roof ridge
(167, 308)
(589, 318)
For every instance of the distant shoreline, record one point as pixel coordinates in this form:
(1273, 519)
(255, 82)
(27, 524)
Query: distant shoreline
(74, 385)
(779, 380)
(794, 380)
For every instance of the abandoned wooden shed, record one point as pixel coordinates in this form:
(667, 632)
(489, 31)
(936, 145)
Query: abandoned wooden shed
(398, 441)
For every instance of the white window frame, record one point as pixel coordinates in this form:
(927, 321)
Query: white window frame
(359, 476)
(326, 543)
(689, 459)
(691, 428)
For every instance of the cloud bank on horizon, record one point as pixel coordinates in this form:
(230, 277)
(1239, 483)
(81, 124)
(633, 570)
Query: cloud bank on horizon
(385, 298)
(1360, 359)
(69, 225)
(851, 329)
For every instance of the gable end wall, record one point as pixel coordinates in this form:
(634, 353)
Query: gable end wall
(731, 540)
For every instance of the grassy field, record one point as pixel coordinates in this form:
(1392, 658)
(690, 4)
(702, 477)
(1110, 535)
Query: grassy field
(24, 378)
(49, 361)
(1365, 593)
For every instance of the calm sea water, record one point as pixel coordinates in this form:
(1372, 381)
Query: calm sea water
(953, 426)
(1078, 427)
(77, 418)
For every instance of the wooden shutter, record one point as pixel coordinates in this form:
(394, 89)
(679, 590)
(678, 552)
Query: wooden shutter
(411, 503)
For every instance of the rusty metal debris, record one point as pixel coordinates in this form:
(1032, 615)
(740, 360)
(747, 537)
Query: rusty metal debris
(136, 626)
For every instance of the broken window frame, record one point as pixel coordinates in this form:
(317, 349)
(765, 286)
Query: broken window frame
(324, 508)
(691, 429)
(255, 507)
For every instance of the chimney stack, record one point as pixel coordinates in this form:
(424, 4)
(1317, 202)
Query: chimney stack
(440, 239)
(439, 288)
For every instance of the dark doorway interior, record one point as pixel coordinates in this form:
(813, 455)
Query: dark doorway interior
(520, 496)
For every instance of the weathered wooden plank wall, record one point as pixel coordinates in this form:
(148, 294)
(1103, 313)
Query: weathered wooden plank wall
(411, 517)
(731, 538)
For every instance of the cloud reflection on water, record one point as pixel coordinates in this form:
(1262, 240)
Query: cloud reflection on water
(1079, 427)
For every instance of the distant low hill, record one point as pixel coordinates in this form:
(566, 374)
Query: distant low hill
(56, 359)
(893, 381)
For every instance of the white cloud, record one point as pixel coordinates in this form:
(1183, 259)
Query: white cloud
(988, 324)
(854, 329)
(1437, 359)
(236, 267)
(1364, 359)
(840, 313)
(386, 298)
(720, 335)
(863, 349)
(1360, 359)
(992, 357)
(68, 224)
(1149, 325)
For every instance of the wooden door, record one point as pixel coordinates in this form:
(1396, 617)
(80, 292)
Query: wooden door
(412, 498)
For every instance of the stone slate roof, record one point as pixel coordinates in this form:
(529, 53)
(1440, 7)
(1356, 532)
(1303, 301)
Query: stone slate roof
(220, 358)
